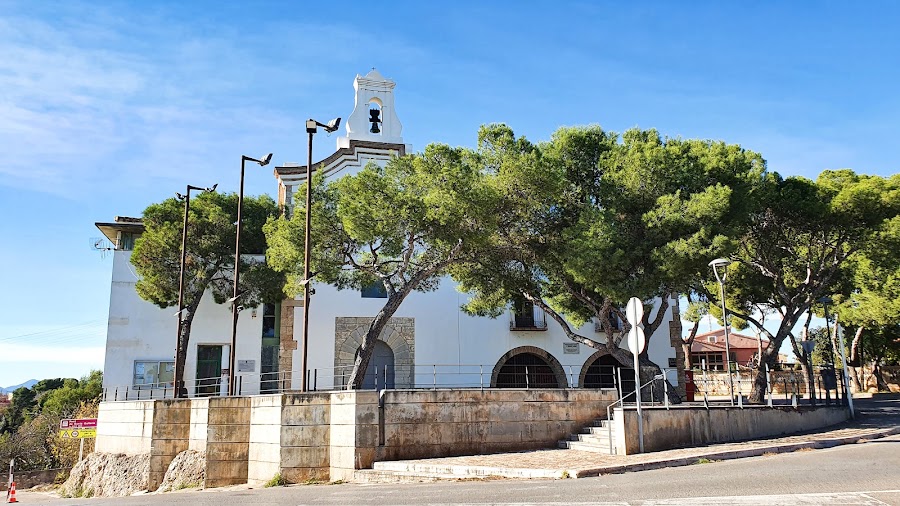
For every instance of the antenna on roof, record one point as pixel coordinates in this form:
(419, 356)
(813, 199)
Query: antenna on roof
(102, 245)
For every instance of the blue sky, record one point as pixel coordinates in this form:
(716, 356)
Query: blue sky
(106, 107)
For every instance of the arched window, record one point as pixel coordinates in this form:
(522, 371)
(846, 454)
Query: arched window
(604, 371)
(375, 117)
(526, 370)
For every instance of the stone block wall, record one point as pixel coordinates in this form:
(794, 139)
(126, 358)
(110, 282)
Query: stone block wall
(305, 437)
(439, 423)
(289, 434)
(171, 435)
(227, 441)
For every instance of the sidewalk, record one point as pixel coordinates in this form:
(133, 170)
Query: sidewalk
(875, 419)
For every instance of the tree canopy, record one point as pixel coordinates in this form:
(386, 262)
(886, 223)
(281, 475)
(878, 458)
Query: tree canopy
(799, 244)
(590, 219)
(401, 225)
(209, 263)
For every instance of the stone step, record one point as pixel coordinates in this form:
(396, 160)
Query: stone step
(422, 471)
(585, 446)
(596, 430)
(376, 476)
(590, 438)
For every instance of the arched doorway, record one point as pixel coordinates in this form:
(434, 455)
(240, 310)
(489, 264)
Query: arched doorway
(602, 370)
(380, 372)
(528, 367)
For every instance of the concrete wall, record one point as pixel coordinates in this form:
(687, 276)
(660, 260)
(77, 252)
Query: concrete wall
(264, 452)
(685, 427)
(328, 435)
(125, 427)
(289, 435)
(227, 441)
(355, 432)
(305, 437)
(437, 423)
(171, 436)
(28, 479)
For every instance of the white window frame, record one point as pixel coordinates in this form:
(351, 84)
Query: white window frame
(160, 363)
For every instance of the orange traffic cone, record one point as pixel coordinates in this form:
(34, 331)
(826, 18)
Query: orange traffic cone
(12, 493)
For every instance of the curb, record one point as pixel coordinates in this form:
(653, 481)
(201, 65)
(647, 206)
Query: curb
(734, 454)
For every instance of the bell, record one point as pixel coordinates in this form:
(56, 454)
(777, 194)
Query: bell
(374, 113)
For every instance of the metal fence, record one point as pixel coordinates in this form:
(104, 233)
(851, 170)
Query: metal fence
(428, 376)
(825, 385)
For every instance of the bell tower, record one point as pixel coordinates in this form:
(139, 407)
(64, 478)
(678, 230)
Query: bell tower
(374, 118)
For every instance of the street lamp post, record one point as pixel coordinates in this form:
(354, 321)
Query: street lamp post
(180, 345)
(237, 269)
(311, 129)
(723, 262)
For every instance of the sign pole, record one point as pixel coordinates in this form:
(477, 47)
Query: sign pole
(637, 399)
(634, 313)
(80, 449)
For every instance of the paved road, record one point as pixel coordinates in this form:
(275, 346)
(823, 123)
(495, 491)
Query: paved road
(855, 474)
(859, 474)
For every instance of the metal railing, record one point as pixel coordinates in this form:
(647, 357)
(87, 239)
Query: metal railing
(417, 377)
(793, 385)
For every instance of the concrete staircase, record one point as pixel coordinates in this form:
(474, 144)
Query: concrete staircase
(593, 438)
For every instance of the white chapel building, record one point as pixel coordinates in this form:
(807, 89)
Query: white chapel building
(429, 343)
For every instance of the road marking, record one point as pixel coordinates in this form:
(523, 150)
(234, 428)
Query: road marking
(823, 499)
(820, 499)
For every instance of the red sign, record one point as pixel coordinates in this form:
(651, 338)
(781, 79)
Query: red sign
(78, 423)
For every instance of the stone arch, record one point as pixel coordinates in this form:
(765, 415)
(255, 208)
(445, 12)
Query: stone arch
(398, 335)
(555, 367)
(627, 377)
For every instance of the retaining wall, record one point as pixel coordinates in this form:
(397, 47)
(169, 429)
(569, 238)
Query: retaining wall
(686, 427)
(127, 427)
(440, 423)
(28, 479)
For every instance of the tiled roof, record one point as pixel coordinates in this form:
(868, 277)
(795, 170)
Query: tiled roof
(735, 341)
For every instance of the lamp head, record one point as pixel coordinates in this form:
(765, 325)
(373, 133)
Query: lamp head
(266, 159)
(212, 188)
(719, 262)
(179, 196)
(333, 125)
(826, 300)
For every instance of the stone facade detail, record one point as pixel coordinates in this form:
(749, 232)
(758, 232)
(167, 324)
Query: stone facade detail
(288, 344)
(399, 334)
(675, 340)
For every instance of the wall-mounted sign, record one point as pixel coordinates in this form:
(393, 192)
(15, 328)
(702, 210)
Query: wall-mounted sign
(570, 348)
(246, 366)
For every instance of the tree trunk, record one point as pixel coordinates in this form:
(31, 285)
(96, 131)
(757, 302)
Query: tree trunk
(687, 343)
(880, 382)
(854, 360)
(184, 337)
(358, 374)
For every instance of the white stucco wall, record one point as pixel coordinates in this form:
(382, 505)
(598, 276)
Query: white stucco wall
(445, 337)
(139, 330)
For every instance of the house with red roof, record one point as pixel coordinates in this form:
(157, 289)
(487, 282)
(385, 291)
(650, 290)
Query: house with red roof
(708, 349)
